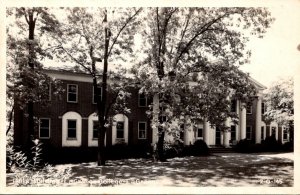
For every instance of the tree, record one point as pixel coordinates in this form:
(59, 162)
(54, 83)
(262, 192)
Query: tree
(206, 44)
(94, 35)
(26, 82)
(279, 104)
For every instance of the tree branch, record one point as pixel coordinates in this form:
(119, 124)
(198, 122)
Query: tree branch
(203, 29)
(123, 27)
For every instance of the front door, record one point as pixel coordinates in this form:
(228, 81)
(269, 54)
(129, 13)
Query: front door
(218, 136)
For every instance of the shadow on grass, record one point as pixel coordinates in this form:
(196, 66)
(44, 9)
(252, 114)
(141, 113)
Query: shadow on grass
(211, 171)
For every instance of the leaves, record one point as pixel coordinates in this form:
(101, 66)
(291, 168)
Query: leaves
(280, 103)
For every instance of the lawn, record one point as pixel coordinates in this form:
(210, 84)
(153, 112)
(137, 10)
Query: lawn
(217, 170)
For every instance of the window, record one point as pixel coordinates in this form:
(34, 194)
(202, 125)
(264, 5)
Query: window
(71, 129)
(44, 128)
(142, 100)
(273, 132)
(262, 133)
(248, 132)
(249, 109)
(72, 93)
(120, 130)
(142, 130)
(285, 134)
(262, 108)
(233, 106)
(94, 94)
(200, 132)
(233, 132)
(95, 129)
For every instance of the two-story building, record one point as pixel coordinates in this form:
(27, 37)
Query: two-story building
(69, 120)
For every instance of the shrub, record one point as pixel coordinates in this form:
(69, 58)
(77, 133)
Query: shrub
(270, 144)
(18, 158)
(288, 147)
(199, 148)
(243, 146)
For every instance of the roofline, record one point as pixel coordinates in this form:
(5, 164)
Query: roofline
(257, 84)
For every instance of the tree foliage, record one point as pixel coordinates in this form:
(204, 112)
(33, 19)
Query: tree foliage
(90, 35)
(26, 81)
(279, 101)
(191, 59)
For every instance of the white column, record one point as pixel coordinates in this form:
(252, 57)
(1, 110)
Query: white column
(206, 131)
(258, 121)
(226, 134)
(155, 118)
(188, 132)
(243, 122)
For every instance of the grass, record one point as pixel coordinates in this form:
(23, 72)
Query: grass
(219, 170)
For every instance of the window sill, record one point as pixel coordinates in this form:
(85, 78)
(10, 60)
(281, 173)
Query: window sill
(72, 139)
(44, 138)
(72, 102)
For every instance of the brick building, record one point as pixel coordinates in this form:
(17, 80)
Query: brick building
(69, 120)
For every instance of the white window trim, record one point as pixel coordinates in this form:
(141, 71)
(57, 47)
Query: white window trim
(71, 142)
(119, 118)
(287, 135)
(40, 128)
(94, 94)
(68, 93)
(250, 132)
(91, 141)
(146, 99)
(139, 130)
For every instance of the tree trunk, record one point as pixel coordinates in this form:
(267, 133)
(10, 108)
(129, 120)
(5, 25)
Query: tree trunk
(10, 120)
(102, 113)
(31, 26)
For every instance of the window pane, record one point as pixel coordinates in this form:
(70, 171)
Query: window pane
(44, 123)
(44, 132)
(71, 128)
(72, 97)
(262, 132)
(142, 100)
(233, 106)
(72, 89)
(44, 128)
(94, 95)
(72, 124)
(71, 133)
(200, 132)
(95, 129)
(142, 126)
(233, 133)
(120, 129)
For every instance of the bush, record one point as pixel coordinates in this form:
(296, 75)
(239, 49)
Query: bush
(199, 148)
(288, 147)
(270, 144)
(19, 159)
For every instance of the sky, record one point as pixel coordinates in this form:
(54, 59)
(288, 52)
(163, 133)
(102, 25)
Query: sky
(276, 56)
